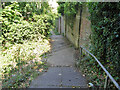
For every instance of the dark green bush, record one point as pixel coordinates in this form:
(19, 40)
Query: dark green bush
(105, 39)
(61, 8)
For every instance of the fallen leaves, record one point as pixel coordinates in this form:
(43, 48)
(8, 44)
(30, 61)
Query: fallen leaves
(40, 70)
(40, 62)
(35, 67)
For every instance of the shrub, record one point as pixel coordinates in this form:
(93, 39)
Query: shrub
(15, 29)
(42, 24)
(10, 15)
(20, 32)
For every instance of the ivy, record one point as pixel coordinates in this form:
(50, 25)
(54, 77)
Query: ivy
(105, 35)
(69, 10)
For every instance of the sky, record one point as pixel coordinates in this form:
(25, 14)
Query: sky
(54, 5)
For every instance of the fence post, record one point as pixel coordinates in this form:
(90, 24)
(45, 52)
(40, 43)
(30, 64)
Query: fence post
(106, 82)
(80, 53)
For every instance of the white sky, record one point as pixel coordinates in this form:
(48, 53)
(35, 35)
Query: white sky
(53, 4)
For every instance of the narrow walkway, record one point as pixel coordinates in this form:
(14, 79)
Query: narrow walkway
(61, 73)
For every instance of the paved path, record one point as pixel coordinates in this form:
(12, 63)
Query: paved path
(61, 73)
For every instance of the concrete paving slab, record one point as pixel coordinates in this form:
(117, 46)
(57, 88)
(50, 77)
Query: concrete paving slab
(59, 42)
(46, 86)
(71, 77)
(62, 58)
(59, 77)
(50, 78)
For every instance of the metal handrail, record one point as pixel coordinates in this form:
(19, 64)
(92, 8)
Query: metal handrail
(108, 74)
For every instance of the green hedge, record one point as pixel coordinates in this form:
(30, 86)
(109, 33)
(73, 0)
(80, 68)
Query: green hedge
(105, 39)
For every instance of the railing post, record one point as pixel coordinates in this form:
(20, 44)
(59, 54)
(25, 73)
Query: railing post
(106, 82)
(80, 53)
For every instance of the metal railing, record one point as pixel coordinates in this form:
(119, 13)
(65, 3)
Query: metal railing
(108, 74)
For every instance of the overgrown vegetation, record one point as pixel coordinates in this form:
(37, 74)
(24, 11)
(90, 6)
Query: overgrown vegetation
(16, 29)
(104, 44)
(69, 10)
(22, 62)
(105, 35)
(24, 40)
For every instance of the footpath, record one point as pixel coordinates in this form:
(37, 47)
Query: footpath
(62, 72)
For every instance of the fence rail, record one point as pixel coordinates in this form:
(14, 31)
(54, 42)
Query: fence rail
(108, 74)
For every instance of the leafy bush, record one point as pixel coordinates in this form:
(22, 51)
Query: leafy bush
(43, 23)
(27, 9)
(69, 8)
(25, 30)
(10, 15)
(19, 32)
(23, 44)
(15, 29)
